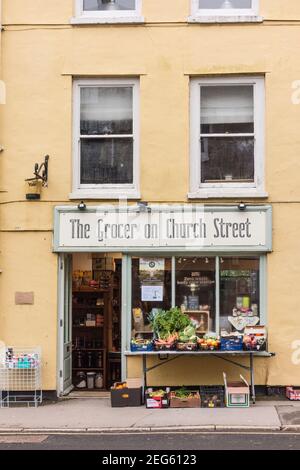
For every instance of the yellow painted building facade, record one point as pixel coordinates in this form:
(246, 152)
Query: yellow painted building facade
(42, 53)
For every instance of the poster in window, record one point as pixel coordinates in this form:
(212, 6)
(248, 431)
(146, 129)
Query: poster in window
(152, 270)
(152, 293)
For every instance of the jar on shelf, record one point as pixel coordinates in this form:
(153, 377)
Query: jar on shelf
(90, 380)
(99, 383)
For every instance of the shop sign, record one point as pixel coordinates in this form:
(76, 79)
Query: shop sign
(187, 227)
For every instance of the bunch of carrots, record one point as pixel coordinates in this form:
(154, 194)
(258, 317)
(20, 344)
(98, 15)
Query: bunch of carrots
(170, 340)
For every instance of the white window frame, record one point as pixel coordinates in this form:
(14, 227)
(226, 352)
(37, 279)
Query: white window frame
(238, 189)
(105, 191)
(224, 15)
(117, 16)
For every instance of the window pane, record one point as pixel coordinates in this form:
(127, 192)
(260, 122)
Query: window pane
(227, 109)
(106, 161)
(106, 110)
(227, 159)
(151, 277)
(239, 293)
(108, 5)
(195, 289)
(211, 4)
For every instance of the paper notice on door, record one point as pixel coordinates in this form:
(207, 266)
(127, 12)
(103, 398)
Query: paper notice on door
(152, 293)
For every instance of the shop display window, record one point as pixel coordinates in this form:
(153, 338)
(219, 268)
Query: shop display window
(195, 290)
(219, 294)
(239, 293)
(151, 291)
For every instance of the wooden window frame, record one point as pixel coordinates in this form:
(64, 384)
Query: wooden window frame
(105, 191)
(232, 189)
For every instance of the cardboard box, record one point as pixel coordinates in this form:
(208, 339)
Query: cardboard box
(134, 383)
(237, 394)
(125, 396)
(192, 402)
(158, 402)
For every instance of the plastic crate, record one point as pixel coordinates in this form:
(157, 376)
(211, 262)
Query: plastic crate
(141, 347)
(293, 393)
(232, 343)
(212, 396)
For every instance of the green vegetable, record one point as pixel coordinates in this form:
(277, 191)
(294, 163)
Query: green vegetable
(182, 393)
(166, 323)
(188, 335)
(184, 339)
(189, 331)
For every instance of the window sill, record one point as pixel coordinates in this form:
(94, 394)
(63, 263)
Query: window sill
(108, 194)
(227, 193)
(107, 20)
(226, 19)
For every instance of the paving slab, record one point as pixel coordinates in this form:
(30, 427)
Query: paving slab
(262, 416)
(289, 415)
(96, 415)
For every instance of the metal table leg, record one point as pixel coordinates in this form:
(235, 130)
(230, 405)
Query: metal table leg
(252, 383)
(145, 370)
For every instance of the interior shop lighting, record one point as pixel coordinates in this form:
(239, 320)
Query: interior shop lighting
(82, 206)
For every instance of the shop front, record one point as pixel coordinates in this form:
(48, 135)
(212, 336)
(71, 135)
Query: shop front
(121, 266)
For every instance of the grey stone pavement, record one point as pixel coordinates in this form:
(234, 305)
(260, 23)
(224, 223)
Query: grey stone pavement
(96, 415)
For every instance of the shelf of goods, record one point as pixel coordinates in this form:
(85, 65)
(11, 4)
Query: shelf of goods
(96, 332)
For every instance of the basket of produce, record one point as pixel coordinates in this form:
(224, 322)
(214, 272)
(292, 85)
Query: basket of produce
(212, 396)
(167, 325)
(255, 338)
(186, 346)
(187, 339)
(141, 345)
(184, 398)
(157, 398)
(123, 395)
(209, 342)
(165, 344)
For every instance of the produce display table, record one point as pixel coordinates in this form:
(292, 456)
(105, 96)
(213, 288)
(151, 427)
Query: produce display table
(229, 356)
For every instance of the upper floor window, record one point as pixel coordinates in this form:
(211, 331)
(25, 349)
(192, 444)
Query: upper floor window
(105, 138)
(108, 11)
(227, 8)
(227, 137)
